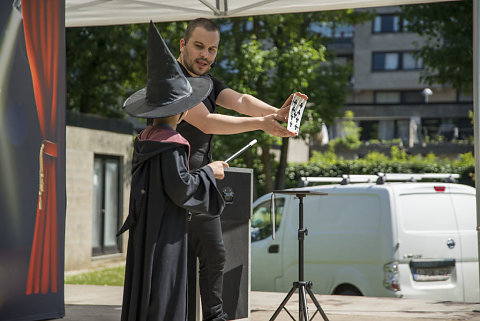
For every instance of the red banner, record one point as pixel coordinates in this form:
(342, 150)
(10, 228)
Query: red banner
(32, 154)
(41, 26)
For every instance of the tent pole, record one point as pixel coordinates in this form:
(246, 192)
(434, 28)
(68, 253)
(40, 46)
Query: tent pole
(476, 107)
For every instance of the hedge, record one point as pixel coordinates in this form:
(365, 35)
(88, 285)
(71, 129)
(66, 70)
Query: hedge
(327, 164)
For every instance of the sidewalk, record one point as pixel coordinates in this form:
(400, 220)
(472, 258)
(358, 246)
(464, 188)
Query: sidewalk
(103, 303)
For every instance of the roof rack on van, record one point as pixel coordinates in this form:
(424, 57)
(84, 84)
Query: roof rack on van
(344, 180)
(410, 177)
(380, 178)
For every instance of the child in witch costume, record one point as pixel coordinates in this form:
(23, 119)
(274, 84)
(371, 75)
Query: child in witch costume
(163, 190)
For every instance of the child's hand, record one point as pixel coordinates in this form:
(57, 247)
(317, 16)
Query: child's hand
(217, 168)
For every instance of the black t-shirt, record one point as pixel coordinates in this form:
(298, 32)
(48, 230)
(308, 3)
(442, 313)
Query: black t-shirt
(201, 143)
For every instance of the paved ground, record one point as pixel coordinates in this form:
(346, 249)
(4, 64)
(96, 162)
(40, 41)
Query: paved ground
(103, 303)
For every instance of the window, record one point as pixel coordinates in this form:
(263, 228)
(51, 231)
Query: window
(447, 129)
(343, 31)
(389, 23)
(106, 205)
(427, 212)
(387, 97)
(416, 21)
(323, 28)
(399, 97)
(369, 130)
(333, 30)
(409, 61)
(261, 221)
(413, 97)
(387, 61)
(389, 129)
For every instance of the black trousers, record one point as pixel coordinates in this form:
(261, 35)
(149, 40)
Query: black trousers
(205, 238)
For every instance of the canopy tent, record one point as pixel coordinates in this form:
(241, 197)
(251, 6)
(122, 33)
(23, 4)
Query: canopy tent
(111, 12)
(33, 142)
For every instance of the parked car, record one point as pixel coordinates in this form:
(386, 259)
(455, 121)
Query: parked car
(386, 239)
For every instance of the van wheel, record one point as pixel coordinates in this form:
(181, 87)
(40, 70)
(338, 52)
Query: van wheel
(347, 290)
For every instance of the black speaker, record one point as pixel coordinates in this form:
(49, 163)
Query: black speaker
(237, 190)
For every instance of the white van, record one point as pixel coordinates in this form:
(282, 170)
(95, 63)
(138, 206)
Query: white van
(403, 239)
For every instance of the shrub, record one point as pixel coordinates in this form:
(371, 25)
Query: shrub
(329, 165)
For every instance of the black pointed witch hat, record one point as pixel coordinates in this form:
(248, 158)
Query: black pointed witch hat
(168, 91)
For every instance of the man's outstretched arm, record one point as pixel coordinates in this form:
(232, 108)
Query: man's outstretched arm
(244, 104)
(219, 124)
(249, 105)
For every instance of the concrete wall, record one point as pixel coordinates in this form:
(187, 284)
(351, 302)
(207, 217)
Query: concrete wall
(298, 151)
(81, 146)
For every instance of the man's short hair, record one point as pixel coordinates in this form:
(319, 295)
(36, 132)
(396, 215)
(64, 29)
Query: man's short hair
(205, 23)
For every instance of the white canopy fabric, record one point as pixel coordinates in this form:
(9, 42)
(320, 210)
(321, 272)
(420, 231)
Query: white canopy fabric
(112, 12)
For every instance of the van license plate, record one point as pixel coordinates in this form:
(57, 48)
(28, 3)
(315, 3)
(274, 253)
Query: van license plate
(432, 274)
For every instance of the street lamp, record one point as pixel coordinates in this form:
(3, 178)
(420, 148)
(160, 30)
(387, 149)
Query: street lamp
(426, 93)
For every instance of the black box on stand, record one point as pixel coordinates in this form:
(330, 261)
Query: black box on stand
(237, 190)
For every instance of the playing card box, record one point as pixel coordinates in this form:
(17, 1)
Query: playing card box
(295, 115)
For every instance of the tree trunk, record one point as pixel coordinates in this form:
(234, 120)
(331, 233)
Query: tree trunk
(267, 167)
(249, 156)
(282, 166)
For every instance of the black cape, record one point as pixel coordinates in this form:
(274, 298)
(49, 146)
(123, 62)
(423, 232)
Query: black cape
(162, 191)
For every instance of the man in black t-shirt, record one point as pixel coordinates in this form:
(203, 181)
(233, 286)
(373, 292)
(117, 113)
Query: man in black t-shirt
(201, 141)
(198, 50)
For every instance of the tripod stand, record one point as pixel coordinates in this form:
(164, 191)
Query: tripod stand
(303, 287)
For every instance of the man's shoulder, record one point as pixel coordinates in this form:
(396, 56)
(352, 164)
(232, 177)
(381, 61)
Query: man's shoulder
(212, 77)
(218, 85)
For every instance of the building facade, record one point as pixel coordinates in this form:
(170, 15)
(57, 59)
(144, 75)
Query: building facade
(98, 166)
(388, 99)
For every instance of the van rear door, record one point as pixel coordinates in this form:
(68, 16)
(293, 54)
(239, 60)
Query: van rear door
(464, 202)
(429, 242)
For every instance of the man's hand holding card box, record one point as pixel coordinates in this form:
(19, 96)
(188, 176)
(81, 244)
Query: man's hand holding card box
(299, 101)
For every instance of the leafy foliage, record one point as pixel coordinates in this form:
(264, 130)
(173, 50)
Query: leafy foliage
(328, 164)
(398, 162)
(107, 64)
(273, 56)
(448, 52)
(352, 132)
(269, 57)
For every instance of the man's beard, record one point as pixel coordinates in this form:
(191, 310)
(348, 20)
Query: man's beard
(192, 70)
(190, 63)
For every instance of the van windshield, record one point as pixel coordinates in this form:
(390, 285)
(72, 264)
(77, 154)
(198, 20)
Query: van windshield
(261, 222)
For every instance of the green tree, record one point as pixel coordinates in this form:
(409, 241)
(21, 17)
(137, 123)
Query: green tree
(106, 64)
(266, 56)
(273, 56)
(448, 52)
(352, 132)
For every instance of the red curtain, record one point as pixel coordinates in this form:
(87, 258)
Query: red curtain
(41, 22)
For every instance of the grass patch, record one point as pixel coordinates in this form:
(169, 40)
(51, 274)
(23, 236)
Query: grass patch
(108, 276)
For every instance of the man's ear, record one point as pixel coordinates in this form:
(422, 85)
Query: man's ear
(182, 43)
